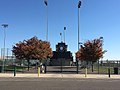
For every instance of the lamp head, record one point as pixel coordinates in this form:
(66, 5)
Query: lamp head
(5, 25)
(79, 4)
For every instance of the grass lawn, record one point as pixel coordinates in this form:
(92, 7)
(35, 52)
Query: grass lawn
(18, 68)
(102, 70)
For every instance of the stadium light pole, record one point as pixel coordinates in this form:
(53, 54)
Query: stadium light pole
(101, 38)
(79, 5)
(64, 33)
(4, 26)
(61, 36)
(46, 4)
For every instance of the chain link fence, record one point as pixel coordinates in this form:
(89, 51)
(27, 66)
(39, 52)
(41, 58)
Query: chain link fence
(99, 67)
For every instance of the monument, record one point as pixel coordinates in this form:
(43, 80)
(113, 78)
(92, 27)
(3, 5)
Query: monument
(61, 57)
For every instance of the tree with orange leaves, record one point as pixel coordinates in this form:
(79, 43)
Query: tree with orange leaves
(32, 49)
(91, 51)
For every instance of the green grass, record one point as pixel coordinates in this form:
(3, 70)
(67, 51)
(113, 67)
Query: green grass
(11, 68)
(102, 70)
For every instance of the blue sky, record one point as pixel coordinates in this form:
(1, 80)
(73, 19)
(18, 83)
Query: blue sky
(27, 18)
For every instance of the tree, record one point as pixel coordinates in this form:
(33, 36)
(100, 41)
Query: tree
(32, 49)
(91, 51)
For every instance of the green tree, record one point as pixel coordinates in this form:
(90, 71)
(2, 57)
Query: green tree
(91, 51)
(32, 49)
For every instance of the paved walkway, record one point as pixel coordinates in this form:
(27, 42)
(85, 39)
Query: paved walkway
(95, 76)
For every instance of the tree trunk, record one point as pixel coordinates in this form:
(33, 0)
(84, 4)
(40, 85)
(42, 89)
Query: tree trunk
(98, 67)
(28, 64)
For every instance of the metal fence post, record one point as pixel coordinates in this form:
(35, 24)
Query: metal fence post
(109, 72)
(98, 67)
(14, 70)
(77, 66)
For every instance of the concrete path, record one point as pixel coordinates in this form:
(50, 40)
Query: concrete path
(95, 76)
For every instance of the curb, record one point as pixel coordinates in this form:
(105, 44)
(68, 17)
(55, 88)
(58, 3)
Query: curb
(91, 76)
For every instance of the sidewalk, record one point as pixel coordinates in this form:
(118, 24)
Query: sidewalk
(95, 76)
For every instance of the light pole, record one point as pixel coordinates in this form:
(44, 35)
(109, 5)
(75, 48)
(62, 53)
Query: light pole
(4, 26)
(46, 4)
(79, 5)
(101, 39)
(64, 33)
(61, 36)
